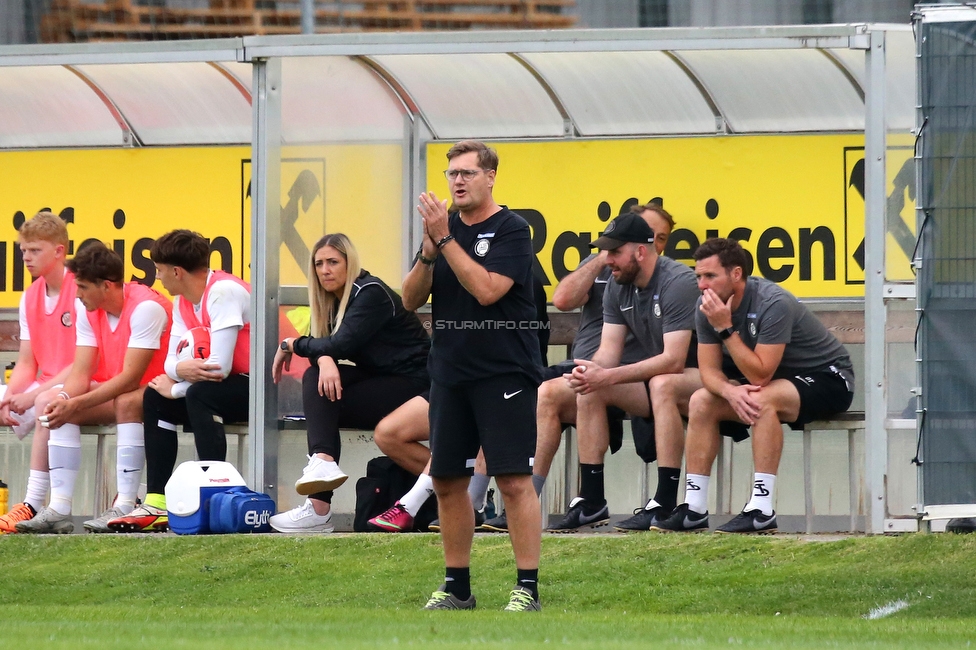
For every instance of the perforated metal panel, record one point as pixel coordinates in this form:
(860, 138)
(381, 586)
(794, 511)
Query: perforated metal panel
(947, 279)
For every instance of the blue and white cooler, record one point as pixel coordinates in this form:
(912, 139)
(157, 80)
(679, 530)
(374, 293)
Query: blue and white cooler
(188, 493)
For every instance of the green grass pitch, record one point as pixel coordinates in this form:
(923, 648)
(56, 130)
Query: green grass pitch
(599, 591)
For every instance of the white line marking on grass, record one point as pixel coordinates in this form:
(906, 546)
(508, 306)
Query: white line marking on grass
(886, 610)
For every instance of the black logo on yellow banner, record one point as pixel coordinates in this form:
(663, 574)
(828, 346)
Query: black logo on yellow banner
(779, 253)
(138, 267)
(302, 213)
(899, 213)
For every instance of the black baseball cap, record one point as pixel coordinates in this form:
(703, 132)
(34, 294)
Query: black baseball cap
(623, 229)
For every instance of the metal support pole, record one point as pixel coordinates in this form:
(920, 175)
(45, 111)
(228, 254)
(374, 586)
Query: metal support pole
(808, 479)
(308, 16)
(265, 244)
(875, 181)
(853, 482)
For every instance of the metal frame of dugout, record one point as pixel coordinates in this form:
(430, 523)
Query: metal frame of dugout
(266, 53)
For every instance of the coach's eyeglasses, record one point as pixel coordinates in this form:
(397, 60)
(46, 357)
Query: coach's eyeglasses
(466, 174)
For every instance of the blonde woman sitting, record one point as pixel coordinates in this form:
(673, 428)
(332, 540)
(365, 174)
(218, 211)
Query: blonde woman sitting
(355, 317)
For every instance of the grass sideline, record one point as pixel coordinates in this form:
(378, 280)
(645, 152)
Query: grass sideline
(606, 591)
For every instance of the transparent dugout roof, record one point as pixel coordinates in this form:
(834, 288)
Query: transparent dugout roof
(176, 103)
(476, 95)
(357, 95)
(51, 106)
(778, 91)
(899, 76)
(337, 98)
(625, 93)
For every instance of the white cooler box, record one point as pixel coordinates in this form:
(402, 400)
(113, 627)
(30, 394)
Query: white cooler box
(188, 493)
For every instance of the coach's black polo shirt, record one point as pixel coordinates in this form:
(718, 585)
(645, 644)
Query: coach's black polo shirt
(471, 341)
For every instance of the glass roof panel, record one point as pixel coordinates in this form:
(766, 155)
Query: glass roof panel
(176, 103)
(243, 72)
(337, 98)
(778, 91)
(899, 73)
(625, 93)
(50, 106)
(476, 95)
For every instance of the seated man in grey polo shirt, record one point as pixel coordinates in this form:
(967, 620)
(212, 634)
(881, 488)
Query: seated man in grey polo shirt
(652, 298)
(556, 410)
(765, 360)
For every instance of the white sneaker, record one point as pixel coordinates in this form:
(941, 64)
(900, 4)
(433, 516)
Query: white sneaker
(319, 476)
(100, 524)
(302, 520)
(48, 520)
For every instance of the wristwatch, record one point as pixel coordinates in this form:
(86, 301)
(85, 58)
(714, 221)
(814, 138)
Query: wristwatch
(284, 346)
(726, 333)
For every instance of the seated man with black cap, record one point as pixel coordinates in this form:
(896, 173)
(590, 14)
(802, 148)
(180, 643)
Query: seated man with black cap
(652, 298)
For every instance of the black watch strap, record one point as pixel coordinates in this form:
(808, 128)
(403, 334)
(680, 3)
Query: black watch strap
(726, 333)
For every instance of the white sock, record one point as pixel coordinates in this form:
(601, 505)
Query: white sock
(130, 456)
(762, 494)
(696, 492)
(38, 483)
(478, 490)
(64, 459)
(414, 500)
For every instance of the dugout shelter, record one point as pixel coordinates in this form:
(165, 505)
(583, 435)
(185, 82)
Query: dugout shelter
(797, 140)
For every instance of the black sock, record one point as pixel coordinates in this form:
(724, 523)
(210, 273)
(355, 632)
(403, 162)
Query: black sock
(667, 487)
(591, 485)
(458, 581)
(529, 578)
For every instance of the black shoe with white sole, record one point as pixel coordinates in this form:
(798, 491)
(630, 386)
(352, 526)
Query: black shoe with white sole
(479, 520)
(582, 515)
(643, 519)
(683, 520)
(497, 524)
(961, 525)
(750, 522)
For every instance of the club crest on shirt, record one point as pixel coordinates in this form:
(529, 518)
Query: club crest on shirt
(481, 247)
(657, 307)
(752, 328)
(66, 319)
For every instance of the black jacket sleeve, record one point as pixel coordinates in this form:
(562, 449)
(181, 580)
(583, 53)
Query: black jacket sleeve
(367, 312)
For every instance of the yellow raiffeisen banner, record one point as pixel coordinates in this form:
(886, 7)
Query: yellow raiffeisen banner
(352, 189)
(795, 202)
(129, 197)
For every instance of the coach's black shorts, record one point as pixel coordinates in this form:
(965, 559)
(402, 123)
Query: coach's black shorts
(496, 414)
(823, 393)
